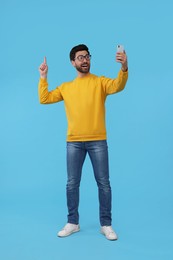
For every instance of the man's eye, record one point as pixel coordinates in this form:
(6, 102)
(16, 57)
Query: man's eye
(80, 57)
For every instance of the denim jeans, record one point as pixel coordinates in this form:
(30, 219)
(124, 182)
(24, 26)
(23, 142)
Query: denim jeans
(98, 153)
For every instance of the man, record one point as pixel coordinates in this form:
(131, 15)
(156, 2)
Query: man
(84, 99)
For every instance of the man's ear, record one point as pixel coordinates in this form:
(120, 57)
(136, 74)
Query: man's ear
(73, 63)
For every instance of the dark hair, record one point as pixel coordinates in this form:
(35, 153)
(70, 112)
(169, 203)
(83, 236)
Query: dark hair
(80, 47)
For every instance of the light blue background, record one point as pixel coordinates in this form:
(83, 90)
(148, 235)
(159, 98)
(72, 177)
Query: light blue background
(139, 125)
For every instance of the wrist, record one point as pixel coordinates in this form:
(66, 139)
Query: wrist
(43, 76)
(124, 68)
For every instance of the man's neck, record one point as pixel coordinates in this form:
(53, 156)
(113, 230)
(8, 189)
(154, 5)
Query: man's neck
(82, 75)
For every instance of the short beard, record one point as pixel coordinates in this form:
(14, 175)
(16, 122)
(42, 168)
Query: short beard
(83, 70)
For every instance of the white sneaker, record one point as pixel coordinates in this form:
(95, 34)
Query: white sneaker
(68, 230)
(109, 232)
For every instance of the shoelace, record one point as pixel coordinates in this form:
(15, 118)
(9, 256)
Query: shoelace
(67, 227)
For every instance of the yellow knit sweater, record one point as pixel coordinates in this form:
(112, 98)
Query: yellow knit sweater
(84, 100)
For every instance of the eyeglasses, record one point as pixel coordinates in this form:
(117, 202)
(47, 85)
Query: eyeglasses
(82, 57)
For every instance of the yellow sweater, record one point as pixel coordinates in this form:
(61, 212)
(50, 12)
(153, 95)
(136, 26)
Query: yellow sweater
(84, 100)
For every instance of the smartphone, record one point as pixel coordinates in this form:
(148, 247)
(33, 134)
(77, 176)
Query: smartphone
(120, 48)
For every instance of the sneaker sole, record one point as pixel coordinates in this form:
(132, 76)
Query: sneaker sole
(114, 239)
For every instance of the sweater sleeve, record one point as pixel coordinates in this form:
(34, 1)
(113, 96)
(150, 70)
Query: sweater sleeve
(112, 86)
(48, 97)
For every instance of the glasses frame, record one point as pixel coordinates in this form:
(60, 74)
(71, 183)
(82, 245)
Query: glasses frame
(82, 57)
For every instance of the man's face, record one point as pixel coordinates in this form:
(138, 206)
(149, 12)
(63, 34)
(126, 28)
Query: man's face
(82, 62)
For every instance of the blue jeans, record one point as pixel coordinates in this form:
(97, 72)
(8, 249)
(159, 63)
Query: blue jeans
(98, 153)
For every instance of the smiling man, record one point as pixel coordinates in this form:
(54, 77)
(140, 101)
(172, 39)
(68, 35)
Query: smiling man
(84, 99)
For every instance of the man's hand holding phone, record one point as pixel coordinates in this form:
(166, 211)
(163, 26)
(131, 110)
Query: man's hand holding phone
(121, 57)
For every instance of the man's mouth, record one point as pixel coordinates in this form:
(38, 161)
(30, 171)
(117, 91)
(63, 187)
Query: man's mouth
(84, 66)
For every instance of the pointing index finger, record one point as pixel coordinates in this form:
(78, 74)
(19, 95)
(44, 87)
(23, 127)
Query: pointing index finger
(45, 61)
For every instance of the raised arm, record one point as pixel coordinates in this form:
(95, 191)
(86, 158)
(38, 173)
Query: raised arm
(45, 96)
(112, 86)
